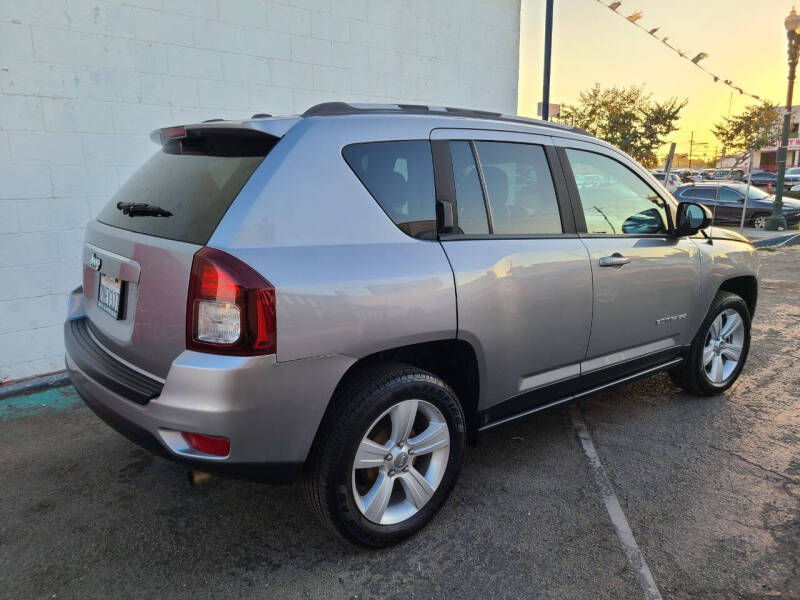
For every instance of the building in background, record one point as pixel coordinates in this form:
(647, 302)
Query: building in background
(82, 83)
(767, 157)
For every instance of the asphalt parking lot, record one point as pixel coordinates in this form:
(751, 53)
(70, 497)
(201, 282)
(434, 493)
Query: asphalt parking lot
(710, 488)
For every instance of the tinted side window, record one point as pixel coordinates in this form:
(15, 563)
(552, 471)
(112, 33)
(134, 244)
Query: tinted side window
(704, 193)
(699, 193)
(469, 196)
(728, 195)
(399, 175)
(615, 200)
(522, 198)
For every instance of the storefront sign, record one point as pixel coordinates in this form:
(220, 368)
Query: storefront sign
(794, 144)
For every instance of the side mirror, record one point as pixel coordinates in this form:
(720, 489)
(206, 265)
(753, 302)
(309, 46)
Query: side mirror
(691, 218)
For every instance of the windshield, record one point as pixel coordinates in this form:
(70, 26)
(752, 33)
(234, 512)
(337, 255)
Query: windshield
(794, 171)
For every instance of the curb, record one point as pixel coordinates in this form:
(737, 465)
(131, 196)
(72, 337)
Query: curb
(34, 384)
(790, 239)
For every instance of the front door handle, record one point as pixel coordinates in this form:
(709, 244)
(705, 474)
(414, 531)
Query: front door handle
(615, 260)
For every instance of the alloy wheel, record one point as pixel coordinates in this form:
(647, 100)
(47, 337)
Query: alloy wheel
(722, 350)
(760, 222)
(400, 462)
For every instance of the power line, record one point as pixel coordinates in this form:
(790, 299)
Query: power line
(633, 19)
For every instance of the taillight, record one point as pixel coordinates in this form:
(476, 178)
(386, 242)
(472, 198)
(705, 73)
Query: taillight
(231, 308)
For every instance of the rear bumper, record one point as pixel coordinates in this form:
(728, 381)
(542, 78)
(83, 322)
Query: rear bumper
(262, 472)
(269, 411)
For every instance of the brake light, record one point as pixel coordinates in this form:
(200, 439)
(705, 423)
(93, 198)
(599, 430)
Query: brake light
(230, 309)
(208, 444)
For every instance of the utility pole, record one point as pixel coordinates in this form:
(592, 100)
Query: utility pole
(691, 145)
(548, 44)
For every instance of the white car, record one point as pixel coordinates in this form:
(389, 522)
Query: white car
(672, 182)
(791, 178)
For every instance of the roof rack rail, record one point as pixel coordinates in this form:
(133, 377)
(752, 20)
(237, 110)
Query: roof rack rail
(346, 108)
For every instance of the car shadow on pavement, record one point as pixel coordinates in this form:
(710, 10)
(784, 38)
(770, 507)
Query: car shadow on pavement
(104, 516)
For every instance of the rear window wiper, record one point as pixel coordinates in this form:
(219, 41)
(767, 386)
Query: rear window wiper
(138, 209)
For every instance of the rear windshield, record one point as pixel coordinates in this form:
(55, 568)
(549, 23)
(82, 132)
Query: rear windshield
(196, 188)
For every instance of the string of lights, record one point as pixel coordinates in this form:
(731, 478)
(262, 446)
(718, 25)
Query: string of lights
(634, 18)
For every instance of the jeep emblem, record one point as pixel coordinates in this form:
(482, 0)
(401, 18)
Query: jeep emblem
(401, 460)
(95, 262)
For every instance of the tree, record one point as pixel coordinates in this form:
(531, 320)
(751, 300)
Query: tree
(754, 128)
(625, 117)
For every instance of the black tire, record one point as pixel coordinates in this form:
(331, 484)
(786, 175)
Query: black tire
(360, 402)
(690, 375)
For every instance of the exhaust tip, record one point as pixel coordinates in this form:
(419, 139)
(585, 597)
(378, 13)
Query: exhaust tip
(197, 478)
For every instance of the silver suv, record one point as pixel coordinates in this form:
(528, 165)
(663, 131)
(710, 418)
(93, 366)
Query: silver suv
(354, 294)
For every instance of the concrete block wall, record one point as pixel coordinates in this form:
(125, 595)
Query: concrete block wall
(83, 82)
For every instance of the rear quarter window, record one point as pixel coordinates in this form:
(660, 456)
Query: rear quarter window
(399, 175)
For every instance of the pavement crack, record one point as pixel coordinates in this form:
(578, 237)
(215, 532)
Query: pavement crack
(755, 464)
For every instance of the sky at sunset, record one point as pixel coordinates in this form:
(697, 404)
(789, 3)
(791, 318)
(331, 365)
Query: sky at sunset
(745, 42)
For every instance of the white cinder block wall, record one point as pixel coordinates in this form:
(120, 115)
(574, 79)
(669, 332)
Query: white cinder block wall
(83, 82)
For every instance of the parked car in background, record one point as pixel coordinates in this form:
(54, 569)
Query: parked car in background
(720, 174)
(726, 201)
(697, 176)
(760, 179)
(791, 178)
(353, 294)
(672, 182)
(705, 174)
(687, 175)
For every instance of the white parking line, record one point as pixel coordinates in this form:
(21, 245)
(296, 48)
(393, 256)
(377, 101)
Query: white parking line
(614, 509)
(787, 240)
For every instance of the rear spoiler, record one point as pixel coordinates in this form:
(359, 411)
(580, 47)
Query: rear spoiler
(220, 140)
(274, 128)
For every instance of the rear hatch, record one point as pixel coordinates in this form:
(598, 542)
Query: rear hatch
(138, 253)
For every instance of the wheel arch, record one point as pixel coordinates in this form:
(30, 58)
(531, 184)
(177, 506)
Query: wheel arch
(745, 286)
(454, 360)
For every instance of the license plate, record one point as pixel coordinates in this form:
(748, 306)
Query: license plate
(108, 298)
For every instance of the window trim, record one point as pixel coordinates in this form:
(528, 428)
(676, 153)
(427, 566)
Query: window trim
(455, 237)
(577, 205)
(486, 203)
(563, 201)
(443, 182)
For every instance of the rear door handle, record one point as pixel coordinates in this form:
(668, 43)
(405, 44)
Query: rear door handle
(615, 260)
